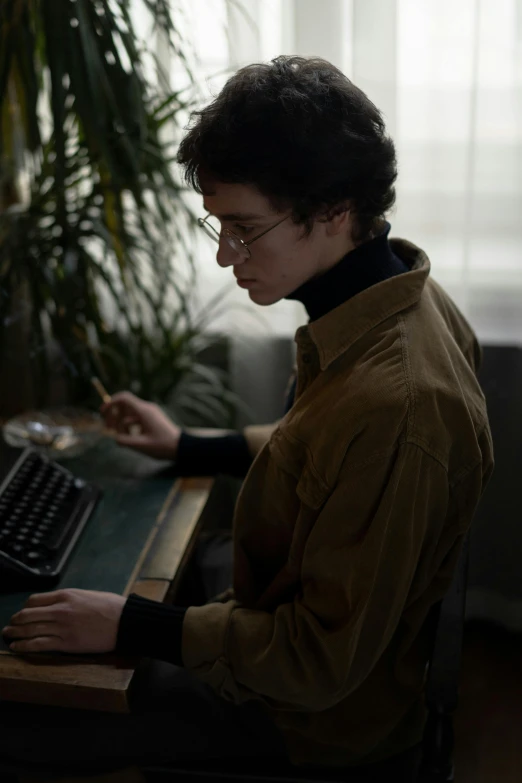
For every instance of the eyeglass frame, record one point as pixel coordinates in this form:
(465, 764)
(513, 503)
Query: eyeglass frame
(227, 233)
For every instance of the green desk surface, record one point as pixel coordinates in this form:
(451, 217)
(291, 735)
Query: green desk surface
(135, 488)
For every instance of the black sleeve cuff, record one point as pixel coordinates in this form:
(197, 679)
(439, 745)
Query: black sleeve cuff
(152, 629)
(199, 456)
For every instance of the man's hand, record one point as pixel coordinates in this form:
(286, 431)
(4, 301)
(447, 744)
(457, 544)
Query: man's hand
(156, 435)
(73, 621)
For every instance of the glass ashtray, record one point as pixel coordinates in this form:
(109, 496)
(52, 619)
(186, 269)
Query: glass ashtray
(61, 432)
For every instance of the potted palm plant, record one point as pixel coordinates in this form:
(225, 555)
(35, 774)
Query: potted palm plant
(96, 238)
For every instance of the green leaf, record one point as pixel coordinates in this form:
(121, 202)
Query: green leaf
(106, 244)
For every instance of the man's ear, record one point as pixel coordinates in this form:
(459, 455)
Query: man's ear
(338, 218)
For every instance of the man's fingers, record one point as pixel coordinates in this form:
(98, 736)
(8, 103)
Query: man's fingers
(112, 414)
(124, 396)
(133, 441)
(31, 630)
(126, 401)
(40, 614)
(130, 426)
(40, 644)
(45, 599)
(123, 414)
(41, 607)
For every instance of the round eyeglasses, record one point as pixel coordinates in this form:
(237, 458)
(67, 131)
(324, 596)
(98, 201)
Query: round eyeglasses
(235, 242)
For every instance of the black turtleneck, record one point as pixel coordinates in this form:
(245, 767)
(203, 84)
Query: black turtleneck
(366, 265)
(153, 629)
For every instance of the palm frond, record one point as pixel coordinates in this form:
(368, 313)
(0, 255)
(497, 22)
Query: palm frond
(105, 245)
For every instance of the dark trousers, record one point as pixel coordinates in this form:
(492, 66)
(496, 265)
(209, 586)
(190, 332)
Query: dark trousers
(174, 719)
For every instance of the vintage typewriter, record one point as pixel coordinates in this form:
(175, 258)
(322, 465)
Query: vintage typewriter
(43, 511)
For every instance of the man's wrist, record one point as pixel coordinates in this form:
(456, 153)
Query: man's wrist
(202, 456)
(151, 629)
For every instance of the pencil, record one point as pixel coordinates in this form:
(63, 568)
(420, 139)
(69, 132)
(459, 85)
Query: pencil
(100, 388)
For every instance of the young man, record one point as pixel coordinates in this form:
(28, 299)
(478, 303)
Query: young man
(354, 506)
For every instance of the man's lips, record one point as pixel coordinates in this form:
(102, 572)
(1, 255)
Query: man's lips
(244, 279)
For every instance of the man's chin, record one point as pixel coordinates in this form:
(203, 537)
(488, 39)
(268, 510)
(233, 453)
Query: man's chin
(262, 297)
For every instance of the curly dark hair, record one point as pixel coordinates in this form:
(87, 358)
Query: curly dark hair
(302, 133)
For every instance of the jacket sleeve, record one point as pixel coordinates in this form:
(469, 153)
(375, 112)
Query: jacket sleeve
(357, 570)
(256, 435)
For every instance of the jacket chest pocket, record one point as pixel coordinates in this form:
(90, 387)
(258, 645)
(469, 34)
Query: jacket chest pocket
(295, 457)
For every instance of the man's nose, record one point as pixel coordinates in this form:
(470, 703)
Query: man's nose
(226, 255)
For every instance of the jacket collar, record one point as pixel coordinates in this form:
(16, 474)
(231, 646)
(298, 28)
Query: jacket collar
(335, 332)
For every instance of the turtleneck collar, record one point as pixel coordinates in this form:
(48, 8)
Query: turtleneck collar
(364, 266)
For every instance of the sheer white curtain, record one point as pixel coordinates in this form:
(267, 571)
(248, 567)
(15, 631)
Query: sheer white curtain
(448, 78)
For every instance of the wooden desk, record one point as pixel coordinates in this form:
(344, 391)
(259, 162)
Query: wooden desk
(138, 540)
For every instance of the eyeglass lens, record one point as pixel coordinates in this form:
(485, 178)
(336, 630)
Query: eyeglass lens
(212, 228)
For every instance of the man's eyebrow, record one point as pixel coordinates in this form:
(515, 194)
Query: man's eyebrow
(238, 215)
